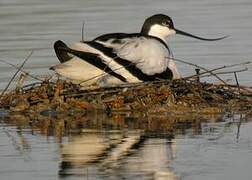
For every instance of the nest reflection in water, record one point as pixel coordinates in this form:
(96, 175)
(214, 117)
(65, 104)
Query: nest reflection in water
(102, 144)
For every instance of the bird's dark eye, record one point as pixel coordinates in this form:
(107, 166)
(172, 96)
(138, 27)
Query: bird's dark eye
(166, 23)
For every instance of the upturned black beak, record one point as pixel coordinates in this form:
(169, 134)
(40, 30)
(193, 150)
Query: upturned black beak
(197, 37)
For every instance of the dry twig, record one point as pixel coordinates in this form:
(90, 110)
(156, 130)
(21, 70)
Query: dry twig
(25, 72)
(13, 77)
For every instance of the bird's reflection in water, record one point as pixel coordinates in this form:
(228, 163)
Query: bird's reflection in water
(116, 155)
(142, 150)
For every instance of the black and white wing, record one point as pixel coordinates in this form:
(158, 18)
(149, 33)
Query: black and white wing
(128, 57)
(145, 57)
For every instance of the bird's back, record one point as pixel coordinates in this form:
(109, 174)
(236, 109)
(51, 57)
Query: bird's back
(146, 53)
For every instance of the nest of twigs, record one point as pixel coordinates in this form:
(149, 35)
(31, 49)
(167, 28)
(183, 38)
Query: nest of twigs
(62, 97)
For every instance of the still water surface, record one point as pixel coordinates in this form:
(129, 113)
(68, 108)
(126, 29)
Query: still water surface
(143, 147)
(34, 24)
(209, 150)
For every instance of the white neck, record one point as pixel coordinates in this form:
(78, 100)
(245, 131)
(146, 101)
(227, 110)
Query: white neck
(161, 32)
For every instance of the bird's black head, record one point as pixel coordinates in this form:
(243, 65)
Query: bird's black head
(161, 26)
(158, 25)
(157, 19)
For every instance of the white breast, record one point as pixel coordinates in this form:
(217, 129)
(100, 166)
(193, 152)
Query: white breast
(172, 66)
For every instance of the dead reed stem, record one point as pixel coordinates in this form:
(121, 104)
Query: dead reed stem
(13, 77)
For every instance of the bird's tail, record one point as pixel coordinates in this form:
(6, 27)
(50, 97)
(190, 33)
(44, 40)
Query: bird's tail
(62, 54)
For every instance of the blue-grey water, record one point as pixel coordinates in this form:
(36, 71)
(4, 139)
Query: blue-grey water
(138, 147)
(213, 152)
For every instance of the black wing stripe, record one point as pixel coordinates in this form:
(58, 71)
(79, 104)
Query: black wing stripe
(95, 60)
(119, 36)
(131, 67)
